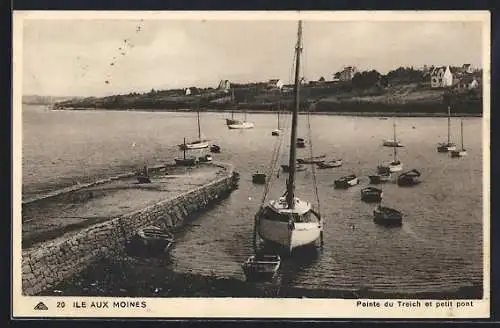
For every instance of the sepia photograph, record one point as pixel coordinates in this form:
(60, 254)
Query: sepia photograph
(259, 164)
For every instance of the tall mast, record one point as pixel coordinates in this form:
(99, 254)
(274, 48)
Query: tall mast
(293, 139)
(233, 103)
(395, 144)
(279, 108)
(184, 148)
(449, 123)
(198, 115)
(462, 133)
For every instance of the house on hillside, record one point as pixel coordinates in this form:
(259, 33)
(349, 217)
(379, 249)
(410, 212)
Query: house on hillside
(224, 85)
(346, 74)
(468, 82)
(441, 77)
(188, 91)
(275, 84)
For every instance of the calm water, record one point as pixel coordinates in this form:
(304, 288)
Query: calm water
(438, 248)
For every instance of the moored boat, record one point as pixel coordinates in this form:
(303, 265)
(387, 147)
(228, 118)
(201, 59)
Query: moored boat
(460, 152)
(312, 160)
(392, 143)
(215, 149)
(241, 126)
(444, 147)
(290, 222)
(153, 239)
(261, 266)
(387, 216)
(186, 160)
(371, 194)
(301, 143)
(382, 175)
(198, 143)
(276, 132)
(329, 164)
(396, 165)
(409, 178)
(346, 181)
(259, 178)
(205, 159)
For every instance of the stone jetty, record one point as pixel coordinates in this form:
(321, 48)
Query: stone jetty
(64, 232)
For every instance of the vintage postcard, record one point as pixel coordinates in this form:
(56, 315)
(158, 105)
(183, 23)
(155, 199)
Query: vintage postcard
(251, 164)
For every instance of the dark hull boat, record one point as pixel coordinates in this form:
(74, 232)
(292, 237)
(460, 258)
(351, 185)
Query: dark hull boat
(312, 160)
(261, 267)
(301, 143)
(409, 178)
(346, 182)
(214, 149)
(383, 175)
(186, 161)
(329, 164)
(387, 216)
(371, 194)
(259, 178)
(299, 167)
(152, 239)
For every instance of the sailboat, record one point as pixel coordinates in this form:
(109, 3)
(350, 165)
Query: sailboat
(461, 152)
(278, 130)
(199, 143)
(392, 143)
(290, 222)
(241, 124)
(396, 165)
(232, 120)
(445, 147)
(186, 160)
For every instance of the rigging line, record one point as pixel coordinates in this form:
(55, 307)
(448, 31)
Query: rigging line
(272, 165)
(313, 167)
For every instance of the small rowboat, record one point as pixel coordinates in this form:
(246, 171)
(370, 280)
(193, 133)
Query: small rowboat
(205, 159)
(383, 175)
(392, 143)
(261, 267)
(186, 161)
(276, 132)
(301, 143)
(409, 178)
(214, 149)
(329, 164)
(371, 194)
(312, 160)
(153, 239)
(387, 216)
(346, 182)
(259, 178)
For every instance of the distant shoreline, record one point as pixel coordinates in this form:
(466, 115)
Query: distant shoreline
(256, 111)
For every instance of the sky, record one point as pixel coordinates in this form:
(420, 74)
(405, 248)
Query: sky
(82, 57)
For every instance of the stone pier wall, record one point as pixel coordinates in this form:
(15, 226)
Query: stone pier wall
(48, 263)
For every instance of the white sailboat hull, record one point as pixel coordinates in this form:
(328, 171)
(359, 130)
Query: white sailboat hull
(242, 125)
(459, 153)
(281, 233)
(392, 143)
(395, 167)
(444, 148)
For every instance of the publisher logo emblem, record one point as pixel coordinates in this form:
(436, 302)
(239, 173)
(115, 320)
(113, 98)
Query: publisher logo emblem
(41, 306)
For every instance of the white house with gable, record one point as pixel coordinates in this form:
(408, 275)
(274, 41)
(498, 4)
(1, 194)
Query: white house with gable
(441, 77)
